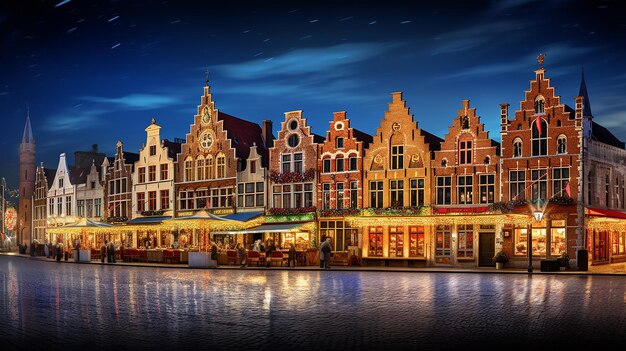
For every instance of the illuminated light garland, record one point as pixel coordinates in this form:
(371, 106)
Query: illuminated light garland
(518, 220)
(606, 224)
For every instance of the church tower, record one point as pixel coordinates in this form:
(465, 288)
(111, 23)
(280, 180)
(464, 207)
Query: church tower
(26, 184)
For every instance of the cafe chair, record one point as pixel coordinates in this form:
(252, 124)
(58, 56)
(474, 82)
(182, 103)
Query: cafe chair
(253, 257)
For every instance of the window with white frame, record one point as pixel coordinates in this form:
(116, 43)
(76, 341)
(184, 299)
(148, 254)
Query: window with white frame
(339, 162)
(299, 194)
(189, 169)
(376, 194)
(141, 175)
(51, 206)
(297, 162)
(517, 185)
(97, 207)
(221, 165)
(486, 185)
(326, 165)
(465, 247)
(539, 137)
(465, 152)
(416, 192)
(68, 205)
(353, 163)
(396, 193)
(443, 241)
(326, 196)
(250, 194)
(339, 143)
(339, 188)
(444, 190)
(539, 188)
(539, 105)
(464, 189)
(560, 178)
(80, 207)
(354, 194)
(397, 157)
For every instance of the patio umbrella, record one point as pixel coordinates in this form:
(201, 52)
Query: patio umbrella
(204, 221)
(82, 227)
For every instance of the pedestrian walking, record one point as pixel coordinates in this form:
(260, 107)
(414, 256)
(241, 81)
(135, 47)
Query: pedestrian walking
(268, 253)
(111, 252)
(103, 251)
(291, 255)
(325, 250)
(241, 252)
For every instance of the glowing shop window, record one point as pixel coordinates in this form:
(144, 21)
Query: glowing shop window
(538, 242)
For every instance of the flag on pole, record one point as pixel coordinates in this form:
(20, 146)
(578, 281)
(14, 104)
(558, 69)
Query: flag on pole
(538, 124)
(567, 190)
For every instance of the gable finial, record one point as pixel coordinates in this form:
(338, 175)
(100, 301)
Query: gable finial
(541, 58)
(206, 76)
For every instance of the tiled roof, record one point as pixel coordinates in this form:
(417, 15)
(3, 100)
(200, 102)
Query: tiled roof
(433, 140)
(318, 138)
(603, 135)
(173, 148)
(362, 136)
(50, 173)
(243, 134)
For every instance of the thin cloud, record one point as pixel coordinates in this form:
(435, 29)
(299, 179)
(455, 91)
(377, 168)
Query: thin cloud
(136, 101)
(557, 52)
(468, 38)
(74, 120)
(306, 61)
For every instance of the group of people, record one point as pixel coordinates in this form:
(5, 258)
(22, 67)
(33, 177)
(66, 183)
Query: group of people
(107, 249)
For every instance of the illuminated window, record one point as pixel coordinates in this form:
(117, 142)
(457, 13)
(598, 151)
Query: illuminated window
(221, 166)
(396, 241)
(375, 242)
(416, 241)
(443, 238)
(189, 169)
(486, 185)
(464, 189)
(465, 247)
(538, 242)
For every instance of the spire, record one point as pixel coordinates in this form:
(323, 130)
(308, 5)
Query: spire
(583, 92)
(28, 132)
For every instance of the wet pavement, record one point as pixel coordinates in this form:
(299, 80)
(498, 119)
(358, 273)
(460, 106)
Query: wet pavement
(64, 305)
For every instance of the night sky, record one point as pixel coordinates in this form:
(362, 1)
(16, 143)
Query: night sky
(95, 72)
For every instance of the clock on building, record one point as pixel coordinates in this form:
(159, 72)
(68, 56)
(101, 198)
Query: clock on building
(206, 140)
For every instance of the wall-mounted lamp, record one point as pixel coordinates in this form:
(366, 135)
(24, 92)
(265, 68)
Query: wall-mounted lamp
(538, 215)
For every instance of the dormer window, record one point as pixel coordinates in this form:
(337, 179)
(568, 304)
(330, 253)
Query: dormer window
(152, 150)
(539, 105)
(444, 163)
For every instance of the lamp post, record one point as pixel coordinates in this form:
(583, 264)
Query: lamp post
(538, 215)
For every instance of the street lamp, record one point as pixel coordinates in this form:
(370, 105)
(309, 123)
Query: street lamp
(538, 215)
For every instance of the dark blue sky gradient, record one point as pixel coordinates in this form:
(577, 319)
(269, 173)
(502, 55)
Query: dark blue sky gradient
(94, 72)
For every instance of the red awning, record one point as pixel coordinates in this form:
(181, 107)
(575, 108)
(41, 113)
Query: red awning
(606, 213)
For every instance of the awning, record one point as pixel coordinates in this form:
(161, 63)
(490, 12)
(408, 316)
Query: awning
(605, 212)
(275, 228)
(243, 216)
(148, 220)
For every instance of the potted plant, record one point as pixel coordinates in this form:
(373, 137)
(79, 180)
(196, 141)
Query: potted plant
(500, 259)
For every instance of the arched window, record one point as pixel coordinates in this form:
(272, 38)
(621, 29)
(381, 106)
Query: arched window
(444, 163)
(339, 164)
(209, 167)
(465, 150)
(539, 105)
(558, 122)
(200, 168)
(221, 166)
(517, 147)
(539, 138)
(488, 160)
(561, 144)
(189, 169)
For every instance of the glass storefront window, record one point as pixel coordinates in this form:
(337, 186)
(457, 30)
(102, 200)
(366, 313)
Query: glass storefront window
(416, 241)
(521, 240)
(557, 241)
(466, 241)
(375, 241)
(396, 241)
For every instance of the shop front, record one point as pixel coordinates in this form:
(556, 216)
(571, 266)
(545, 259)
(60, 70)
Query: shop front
(606, 236)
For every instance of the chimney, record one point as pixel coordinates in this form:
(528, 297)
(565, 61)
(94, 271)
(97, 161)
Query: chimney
(268, 137)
